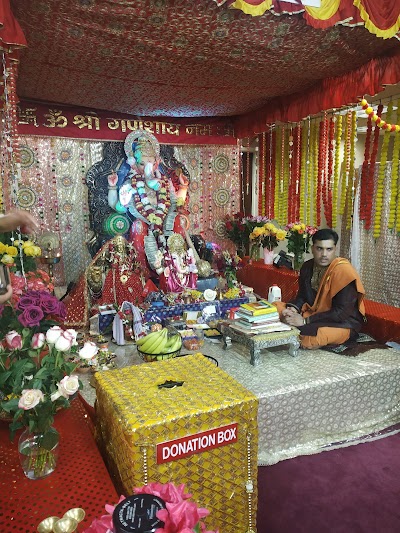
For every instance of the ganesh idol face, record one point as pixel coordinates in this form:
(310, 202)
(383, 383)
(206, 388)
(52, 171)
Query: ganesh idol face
(148, 168)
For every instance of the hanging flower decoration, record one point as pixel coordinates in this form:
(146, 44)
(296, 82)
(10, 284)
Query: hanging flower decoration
(381, 178)
(365, 185)
(376, 118)
(394, 199)
(338, 138)
(371, 170)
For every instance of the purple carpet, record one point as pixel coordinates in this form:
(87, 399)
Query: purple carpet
(349, 490)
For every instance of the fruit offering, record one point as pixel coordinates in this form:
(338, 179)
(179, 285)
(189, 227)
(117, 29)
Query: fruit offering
(159, 342)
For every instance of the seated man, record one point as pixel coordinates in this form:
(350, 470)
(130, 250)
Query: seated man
(328, 308)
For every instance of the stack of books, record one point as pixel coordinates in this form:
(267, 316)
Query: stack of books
(258, 317)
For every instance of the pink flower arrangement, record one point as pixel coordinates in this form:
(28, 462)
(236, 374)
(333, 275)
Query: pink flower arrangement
(179, 516)
(36, 280)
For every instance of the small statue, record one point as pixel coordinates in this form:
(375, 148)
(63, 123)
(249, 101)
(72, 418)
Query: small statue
(180, 271)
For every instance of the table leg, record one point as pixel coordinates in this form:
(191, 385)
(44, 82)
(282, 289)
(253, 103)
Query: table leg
(293, 348)
(255, 356)
(227, 342)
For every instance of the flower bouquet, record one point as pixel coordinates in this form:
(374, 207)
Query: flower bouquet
(13, 252)
(298, 238)
(237, 230)
(35, 376)
(179, 515)
(229, 264)
(268, 236)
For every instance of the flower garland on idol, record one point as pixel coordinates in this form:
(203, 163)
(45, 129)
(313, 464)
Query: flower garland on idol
(155, 214)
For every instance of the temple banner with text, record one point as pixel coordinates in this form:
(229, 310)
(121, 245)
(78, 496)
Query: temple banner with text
(61, 121)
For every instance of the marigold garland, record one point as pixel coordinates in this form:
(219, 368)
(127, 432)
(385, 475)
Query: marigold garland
(298, 170)
(381, 177)
(314, 166)
(338, 138)
(278, 136)
(377, 118)
(329, 177)
(352, 177)
(303, 171)
(394, 193)
(371, 169)
(271, 175)
(365, 171)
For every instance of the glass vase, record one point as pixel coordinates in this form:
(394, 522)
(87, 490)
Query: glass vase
(38, 452)
(254, 253)
(298, 260)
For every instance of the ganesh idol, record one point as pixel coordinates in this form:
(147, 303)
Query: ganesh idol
(150, 193)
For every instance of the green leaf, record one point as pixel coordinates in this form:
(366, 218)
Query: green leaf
(50, 439)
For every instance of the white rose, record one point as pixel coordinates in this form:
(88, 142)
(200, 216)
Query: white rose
(30, 398)
(73, 335)
(68, 385)
(88, 351)
(64, 342)
(53, 333)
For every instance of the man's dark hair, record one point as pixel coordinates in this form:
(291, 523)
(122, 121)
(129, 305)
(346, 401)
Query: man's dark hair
(325, 234)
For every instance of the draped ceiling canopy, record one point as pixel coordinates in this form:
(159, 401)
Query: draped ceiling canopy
(247, 59)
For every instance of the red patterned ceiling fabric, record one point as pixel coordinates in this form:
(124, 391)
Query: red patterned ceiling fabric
(329, 93)
(177, 58)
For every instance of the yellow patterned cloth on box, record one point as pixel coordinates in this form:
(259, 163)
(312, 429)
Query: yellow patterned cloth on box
(134, 416)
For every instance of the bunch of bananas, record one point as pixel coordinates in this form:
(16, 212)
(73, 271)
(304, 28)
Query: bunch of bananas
(158, 342)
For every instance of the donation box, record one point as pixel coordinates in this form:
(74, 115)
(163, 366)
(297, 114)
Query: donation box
(201, 432)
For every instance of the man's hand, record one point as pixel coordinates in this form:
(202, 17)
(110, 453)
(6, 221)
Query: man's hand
(18, 218)
(291, 317)
(7, 295)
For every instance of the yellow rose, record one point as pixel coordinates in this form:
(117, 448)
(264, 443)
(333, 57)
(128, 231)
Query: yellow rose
(3, 247)
(27, 244)
(7, 259)
(296, 227)
(281, 234)
(30, 251)
(12, 250)
(258, 231)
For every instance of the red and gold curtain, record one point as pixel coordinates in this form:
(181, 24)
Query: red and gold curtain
(380, 17)
(330, 93)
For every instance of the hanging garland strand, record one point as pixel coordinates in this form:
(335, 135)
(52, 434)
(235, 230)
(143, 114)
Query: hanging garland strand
(365, 171)
(352, 176)
(303, 171)
(278, 137)
(369, 199)
(346, 165)
(394, 193)
(381, 177)
(335, 185)
(376, 117)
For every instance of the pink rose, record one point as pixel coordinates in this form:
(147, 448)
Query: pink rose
(38, 341)
(13, 340)
(30, 398)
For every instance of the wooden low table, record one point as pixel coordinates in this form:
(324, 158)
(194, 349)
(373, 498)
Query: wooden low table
(258, 342)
